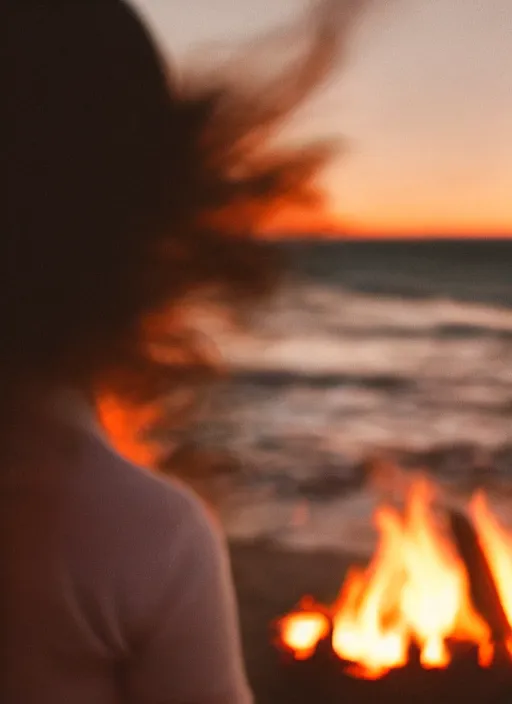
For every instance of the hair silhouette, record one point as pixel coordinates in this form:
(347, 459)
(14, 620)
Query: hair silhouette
(130, 189)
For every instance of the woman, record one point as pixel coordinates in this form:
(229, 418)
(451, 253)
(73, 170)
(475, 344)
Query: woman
(127, 194)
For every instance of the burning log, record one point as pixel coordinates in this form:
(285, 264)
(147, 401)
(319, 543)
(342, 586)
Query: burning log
(484, 592)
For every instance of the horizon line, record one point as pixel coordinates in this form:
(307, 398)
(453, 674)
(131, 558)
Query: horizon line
(330, 236)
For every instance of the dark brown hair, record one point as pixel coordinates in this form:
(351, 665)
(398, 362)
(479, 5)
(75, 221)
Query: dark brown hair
(129, 190)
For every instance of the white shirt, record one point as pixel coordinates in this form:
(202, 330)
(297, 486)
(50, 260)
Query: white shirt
(118, 584)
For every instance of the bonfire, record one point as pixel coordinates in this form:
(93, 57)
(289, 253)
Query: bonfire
(439, 577)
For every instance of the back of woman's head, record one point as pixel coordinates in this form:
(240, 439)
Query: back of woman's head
(127, 191)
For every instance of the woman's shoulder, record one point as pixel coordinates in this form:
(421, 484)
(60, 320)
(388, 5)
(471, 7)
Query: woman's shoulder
(137, 522)
(136, 543)
(142, 499)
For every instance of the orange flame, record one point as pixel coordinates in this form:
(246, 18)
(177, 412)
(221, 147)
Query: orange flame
(302, 630)
(415, 591)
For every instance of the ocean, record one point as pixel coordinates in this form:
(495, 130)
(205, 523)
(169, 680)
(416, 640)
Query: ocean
(369, 353)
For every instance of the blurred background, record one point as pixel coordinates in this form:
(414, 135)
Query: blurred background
(390, 338)
(372, 352)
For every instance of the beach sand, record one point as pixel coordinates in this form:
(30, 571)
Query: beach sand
(269, 582)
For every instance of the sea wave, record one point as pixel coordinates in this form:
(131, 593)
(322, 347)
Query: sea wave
(331, 375)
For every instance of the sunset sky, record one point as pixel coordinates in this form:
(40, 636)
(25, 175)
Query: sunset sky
(425, 102)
